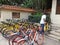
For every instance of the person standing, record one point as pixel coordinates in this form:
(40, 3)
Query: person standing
(42, 22)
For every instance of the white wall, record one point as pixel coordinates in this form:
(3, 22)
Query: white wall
(8, 15)
(0, 15)
(55, 18)
(24, 15)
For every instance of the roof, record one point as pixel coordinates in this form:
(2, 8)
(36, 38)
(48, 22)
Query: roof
(16, 8)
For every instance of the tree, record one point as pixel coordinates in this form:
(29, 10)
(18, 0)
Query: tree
(11, 2)
(27, 3)
(34, 4)
(44, 3)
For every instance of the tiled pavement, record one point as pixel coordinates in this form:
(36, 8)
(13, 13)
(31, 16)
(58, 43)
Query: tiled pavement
(47, 41)
(3, 41)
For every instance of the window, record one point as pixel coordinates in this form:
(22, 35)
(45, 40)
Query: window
(58, 7)
(15, 15)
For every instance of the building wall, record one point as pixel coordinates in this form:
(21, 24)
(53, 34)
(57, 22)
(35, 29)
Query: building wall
(55, 18)
(8, 15)
(24, 15)
(0, 15)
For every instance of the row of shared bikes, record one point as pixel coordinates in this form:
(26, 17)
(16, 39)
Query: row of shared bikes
(21, 33)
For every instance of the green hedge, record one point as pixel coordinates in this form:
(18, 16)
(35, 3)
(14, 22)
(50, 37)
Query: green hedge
(37, 17)
(34, 18)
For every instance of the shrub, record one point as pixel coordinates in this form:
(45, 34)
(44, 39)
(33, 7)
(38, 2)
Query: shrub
(35, 18)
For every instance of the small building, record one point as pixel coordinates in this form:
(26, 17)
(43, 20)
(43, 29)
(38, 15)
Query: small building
(14, 12)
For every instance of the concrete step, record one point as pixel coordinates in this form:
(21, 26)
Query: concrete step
(54, 37)
(55, 27)
(51, 41)
(55, 33)
(58, 31)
